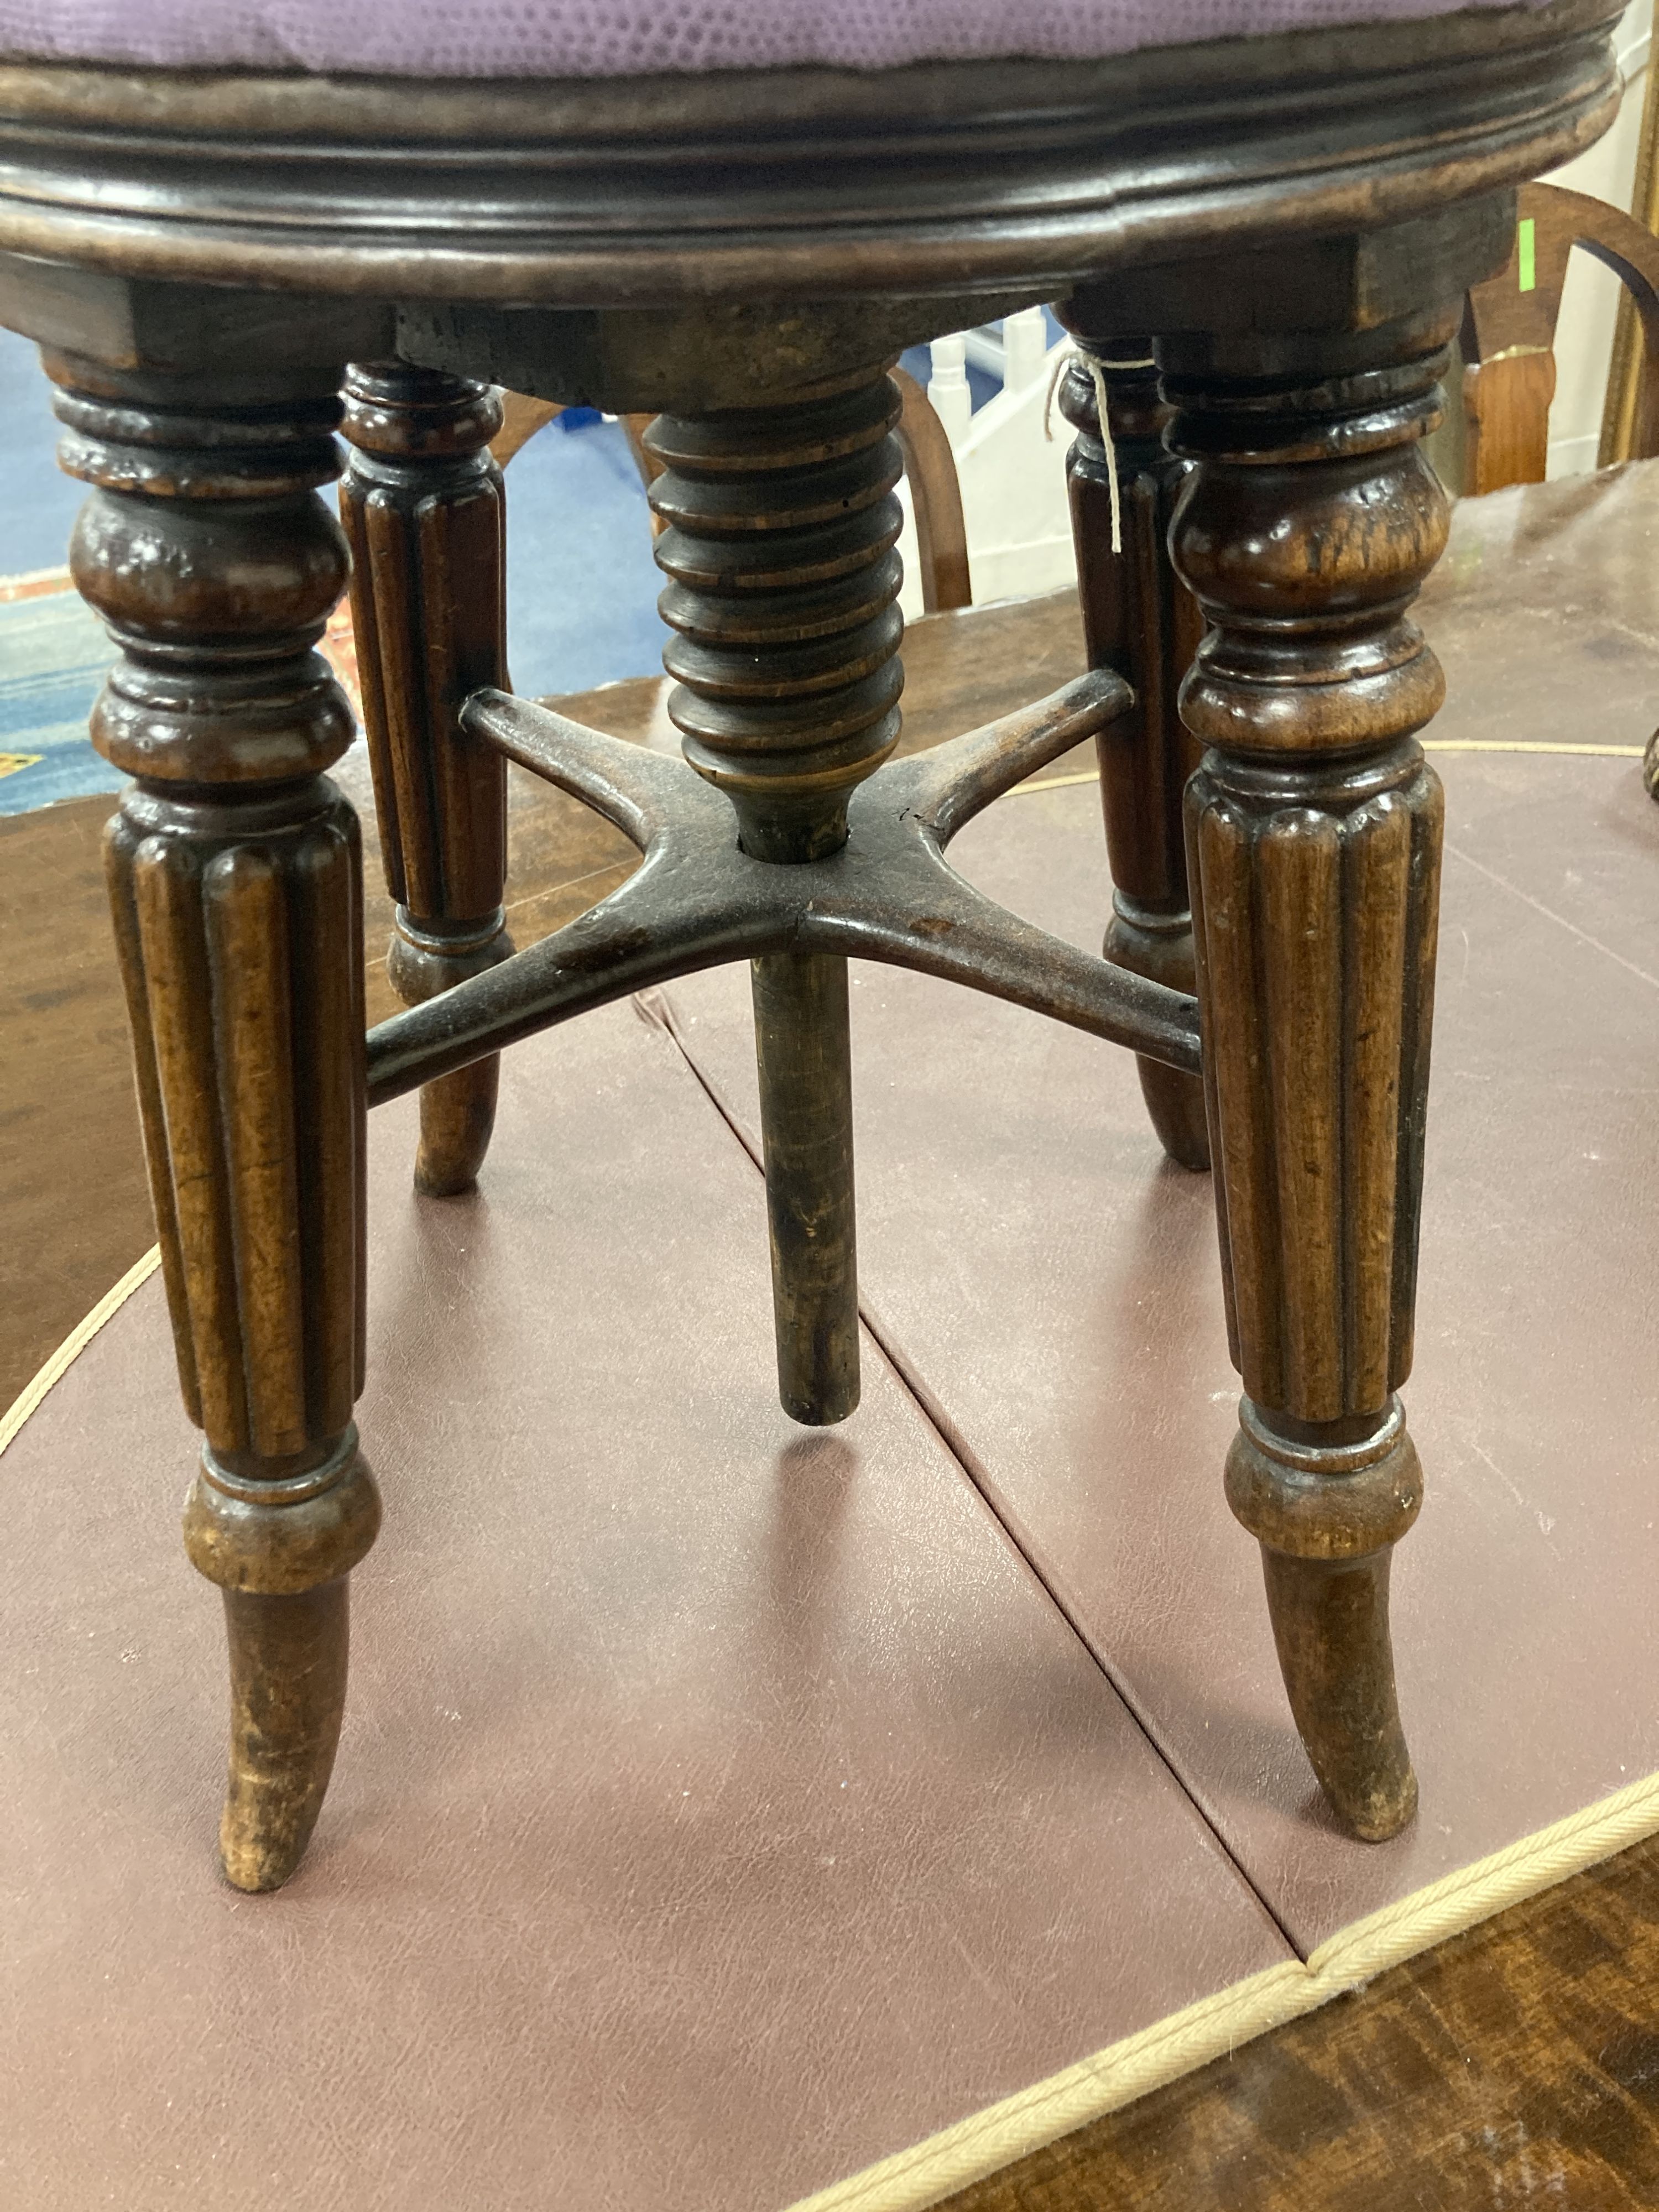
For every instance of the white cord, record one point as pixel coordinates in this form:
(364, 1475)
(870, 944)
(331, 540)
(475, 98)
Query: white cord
(1097, 367)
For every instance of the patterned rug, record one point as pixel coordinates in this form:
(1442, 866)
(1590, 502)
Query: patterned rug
(581, 611)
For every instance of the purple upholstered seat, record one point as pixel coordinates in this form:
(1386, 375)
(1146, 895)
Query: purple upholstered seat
(620, 38)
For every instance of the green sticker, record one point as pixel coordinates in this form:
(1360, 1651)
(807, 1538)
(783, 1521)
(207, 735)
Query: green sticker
(1528, 245)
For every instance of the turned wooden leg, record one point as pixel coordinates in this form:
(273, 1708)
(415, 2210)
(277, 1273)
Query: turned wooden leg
(1310, 521)
(423, 506)
(235, 880)
(781, 524)
(1140, 619)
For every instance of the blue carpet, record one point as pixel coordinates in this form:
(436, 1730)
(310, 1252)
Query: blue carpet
(41, 502)
(581, 584)
(52, 656)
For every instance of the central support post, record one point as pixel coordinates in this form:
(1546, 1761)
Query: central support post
(781, 524)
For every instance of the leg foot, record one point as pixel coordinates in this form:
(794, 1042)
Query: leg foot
(458, 1112)
(1331, 1626)
(287, 1684)
(281, 1546)
(1328, 1514)
(458, 1118)
(1175, 1106)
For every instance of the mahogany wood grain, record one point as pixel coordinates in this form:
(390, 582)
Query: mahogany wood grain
(1307, 524)
(1517, 2065)
(74, 1211)
(235, 884)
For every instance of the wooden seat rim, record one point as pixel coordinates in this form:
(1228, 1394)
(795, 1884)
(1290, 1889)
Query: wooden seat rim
(657, 191)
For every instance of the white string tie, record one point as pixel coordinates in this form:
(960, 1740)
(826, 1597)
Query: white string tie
(1097, 369)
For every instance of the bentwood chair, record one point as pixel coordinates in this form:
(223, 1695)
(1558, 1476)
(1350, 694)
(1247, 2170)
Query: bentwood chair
(735, 217)
(1510, 326)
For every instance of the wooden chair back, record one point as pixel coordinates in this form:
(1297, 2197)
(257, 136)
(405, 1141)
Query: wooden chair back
(929, 465)
(1509, 333)
(935, 496)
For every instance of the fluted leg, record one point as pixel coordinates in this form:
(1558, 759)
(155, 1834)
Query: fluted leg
(784, 589)
(1140, 619)
(423, 508)
(1309, 521)
(235, 880)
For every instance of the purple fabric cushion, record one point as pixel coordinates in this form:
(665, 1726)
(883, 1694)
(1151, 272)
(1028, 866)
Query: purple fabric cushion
(625, 38)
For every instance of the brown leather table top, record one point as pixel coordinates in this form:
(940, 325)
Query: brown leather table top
(722, 1806)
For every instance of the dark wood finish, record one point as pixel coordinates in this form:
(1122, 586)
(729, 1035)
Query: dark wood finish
(804, 1055)
(1309, 521)
(690, 359)
(699, 901)
(234, 877)
(936, 497)
(929, 465)
(702, 898)
(74, 1211)
(782, 593)
(1140, 619)
(731, 189)
(1509, 335)
(423, 508)
(1515, 2065)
